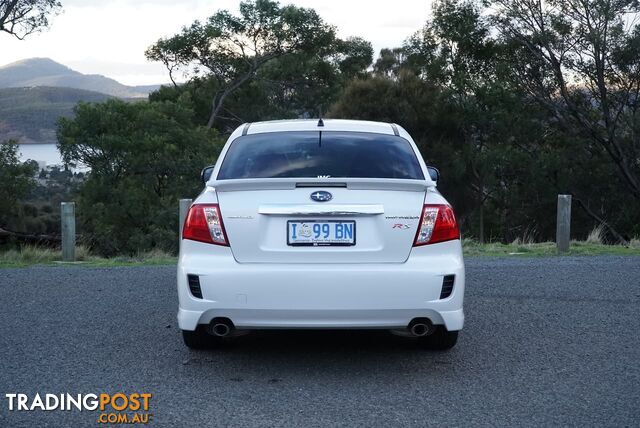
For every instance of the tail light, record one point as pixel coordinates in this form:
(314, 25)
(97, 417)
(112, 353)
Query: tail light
(204, 224)
(437, 224)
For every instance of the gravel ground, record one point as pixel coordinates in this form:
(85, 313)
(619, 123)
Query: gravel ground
(547, 342)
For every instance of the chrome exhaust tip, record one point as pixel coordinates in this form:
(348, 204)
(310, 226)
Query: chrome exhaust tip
(421, 327)
(220, 330)
(221, 327)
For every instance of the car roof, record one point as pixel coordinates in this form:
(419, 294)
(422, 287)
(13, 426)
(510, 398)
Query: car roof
(312, 125)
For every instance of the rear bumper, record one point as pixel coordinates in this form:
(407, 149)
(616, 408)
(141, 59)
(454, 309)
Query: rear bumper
(381, 295)
(320, 319)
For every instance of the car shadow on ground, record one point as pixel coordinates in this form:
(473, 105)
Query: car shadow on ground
(321, 341)
(296, 348)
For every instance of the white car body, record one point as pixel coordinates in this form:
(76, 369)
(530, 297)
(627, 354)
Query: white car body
(258, 281)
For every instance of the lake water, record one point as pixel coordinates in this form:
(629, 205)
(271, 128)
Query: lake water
(42, 153)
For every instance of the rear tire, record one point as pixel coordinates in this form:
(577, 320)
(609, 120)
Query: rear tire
(441, 339)
(198, 339)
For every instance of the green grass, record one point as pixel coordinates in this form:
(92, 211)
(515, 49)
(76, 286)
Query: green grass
(519, 249)
(34, 256)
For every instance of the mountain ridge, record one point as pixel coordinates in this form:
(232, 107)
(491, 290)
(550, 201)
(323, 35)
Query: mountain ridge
(34, 72)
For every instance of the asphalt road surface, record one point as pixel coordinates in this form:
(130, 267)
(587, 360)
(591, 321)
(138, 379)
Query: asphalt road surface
(551, 341)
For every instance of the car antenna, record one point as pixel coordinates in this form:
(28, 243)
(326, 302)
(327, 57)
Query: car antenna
(320, 124)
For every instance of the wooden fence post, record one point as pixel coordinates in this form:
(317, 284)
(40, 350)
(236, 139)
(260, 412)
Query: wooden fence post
(68, 227)
(563, 223)
(185, 204)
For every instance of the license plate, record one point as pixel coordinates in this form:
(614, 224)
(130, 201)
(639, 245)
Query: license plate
(321, 233)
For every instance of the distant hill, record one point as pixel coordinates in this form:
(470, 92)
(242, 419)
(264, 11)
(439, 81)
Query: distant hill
(36, 92)
(30, 115)
(46, 72)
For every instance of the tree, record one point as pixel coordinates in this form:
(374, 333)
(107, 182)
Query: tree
(143, 156)
(17, 180)
(20, 18)
(580, 59)
(503, 154)
(232, 49)
(354, 56)
(298, 84)
(454, 50)
(389, 62)
(500, 156)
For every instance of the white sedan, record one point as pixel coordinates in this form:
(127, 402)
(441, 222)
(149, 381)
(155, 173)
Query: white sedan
(312, 224)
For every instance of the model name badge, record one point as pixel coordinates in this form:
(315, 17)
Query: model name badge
(401, 226)
(401, 217)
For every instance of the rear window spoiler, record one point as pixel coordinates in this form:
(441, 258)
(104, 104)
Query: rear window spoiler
(247, 184)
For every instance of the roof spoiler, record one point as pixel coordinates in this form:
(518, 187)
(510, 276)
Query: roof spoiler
(246, 184)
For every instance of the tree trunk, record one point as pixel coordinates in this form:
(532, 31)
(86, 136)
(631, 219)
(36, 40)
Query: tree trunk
(216, 105)
(218, 102)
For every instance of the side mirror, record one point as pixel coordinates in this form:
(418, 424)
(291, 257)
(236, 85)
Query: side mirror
(205, 175)
(434, 173)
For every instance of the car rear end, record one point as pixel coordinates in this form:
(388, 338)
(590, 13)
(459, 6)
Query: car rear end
(331, 226)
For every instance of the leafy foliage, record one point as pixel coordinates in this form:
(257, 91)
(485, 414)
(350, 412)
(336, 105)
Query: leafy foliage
(16, 178)
(20, 18)
(504, 155)
(143, 157)
(285, 51)
(231, 49)
(581, 61)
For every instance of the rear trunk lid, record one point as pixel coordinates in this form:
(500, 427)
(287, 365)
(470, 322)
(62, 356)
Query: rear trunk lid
(256, 215)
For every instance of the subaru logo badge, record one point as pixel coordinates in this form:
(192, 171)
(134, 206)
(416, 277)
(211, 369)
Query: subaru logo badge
(321, 196)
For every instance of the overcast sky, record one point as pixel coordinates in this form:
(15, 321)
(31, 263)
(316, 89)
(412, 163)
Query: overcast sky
(110, 37)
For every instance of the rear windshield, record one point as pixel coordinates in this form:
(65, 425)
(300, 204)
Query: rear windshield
(313, 154)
